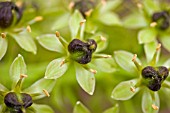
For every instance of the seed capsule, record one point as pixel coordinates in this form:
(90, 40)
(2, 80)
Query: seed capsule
(81, 51)
(149, 72)
(154, 76)
(162, 18)
(6, 14)
(83, 6)
(92, 45)
(154, 84)
(17, 101)
(163, 72)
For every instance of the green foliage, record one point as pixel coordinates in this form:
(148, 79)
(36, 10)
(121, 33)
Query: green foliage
(122, 91)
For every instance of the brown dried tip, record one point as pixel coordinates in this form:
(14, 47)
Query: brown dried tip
(38, 18)
(103, 2)
(155, 107)
(46, 93)
(62, 63)
(106, 56)
(88, 13)
(134, 57)
(153, 24)
(93, 71)
(23, 76)
(29, 29)
(158, 47)
(132, 89)
(3, 35)
(82, 22)
(57, 34)
(139, 5)
(103, 38)
(19, 3)
(71, 5)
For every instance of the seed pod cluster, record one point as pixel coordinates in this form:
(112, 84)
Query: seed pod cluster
(83, 6)
(154, 76)
(6, 14)
(17, 101)
(162, 18)
(82, 51)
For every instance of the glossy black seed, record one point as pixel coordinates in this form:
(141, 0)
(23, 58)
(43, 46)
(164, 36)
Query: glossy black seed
(154, 76)
(92, 44)
(149, 72)
(163, 72)
(81, 51)
(157, 15)
(165, 25)
(6, 14)
(11, 100)
(84, 6)
(76, 45)
(27, 100)
(154, 84)
(163, 18)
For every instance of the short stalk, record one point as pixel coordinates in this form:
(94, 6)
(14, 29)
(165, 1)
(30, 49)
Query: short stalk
(61, 39)
(138, 66)
(80, 33)
(153, 61)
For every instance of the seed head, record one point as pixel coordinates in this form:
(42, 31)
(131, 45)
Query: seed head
(155, 76)
(82, 51)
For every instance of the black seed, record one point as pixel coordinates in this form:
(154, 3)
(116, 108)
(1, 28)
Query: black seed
(84, 6)
(157, 15)
(154, 85)
(162, 18)
(163, 72)
(92, 44)
(27, 100)
(81, 51)
(11, 100)
(165, 25)
(154, 76)
(76, 45)
(149, 72)
(6, 14)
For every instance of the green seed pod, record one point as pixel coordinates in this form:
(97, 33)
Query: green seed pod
(162, 18)
(17, 101)
(6, 14)
(83, 6)
(81, 51)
